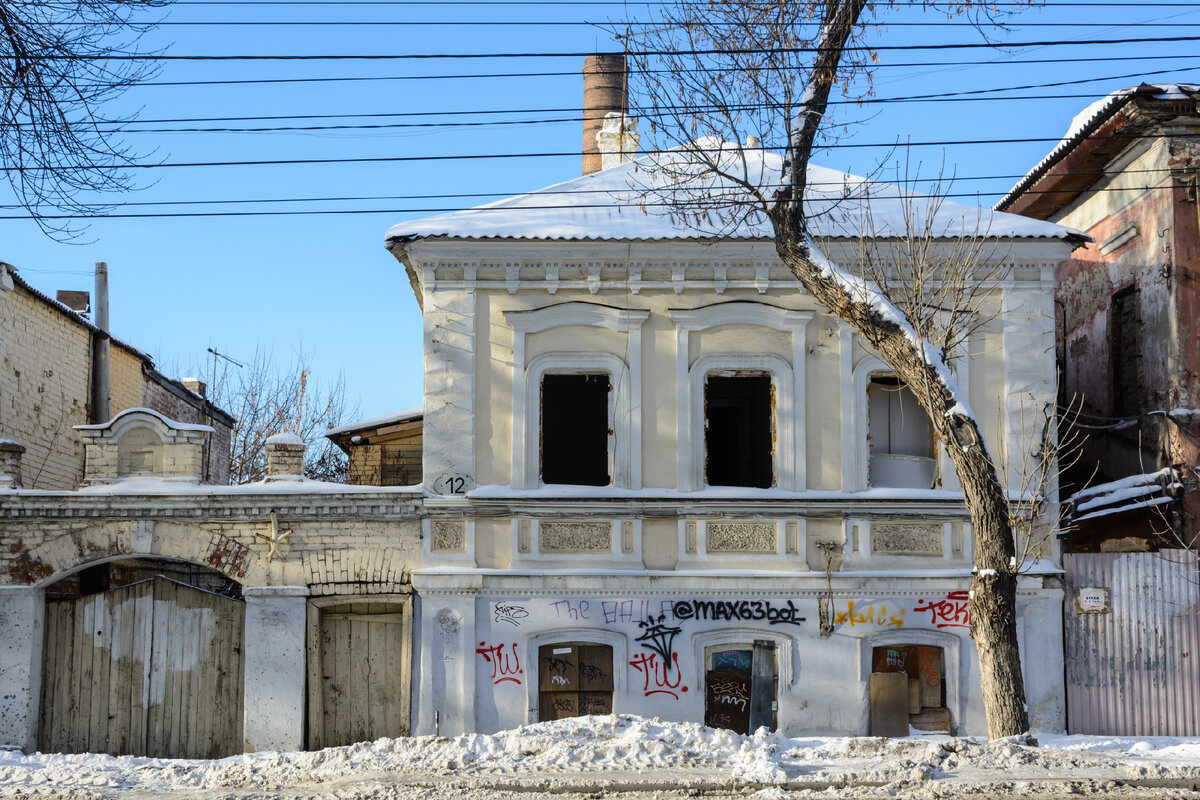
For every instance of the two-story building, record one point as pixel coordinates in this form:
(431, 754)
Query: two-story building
(662, 479)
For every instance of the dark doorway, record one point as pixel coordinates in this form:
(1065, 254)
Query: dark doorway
(575, 430)
(738, 438)
(740, 685)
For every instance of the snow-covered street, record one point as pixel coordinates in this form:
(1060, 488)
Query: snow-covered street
(636, 758)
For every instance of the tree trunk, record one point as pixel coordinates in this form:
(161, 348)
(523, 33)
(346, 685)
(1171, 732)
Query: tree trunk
(993, 588)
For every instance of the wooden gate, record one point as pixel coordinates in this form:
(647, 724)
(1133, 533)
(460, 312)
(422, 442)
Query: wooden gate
(149, 669)
(358, 684)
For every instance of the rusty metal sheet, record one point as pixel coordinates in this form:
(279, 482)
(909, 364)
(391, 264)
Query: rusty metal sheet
(1133, 669)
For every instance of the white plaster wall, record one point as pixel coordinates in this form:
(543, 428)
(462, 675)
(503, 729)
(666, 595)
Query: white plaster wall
(479, 663)
(22, 610)
(275, 671)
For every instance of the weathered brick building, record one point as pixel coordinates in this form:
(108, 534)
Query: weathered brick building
(47, 368)
(1128, 312)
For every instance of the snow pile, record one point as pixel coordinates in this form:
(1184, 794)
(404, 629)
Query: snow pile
(593, 751)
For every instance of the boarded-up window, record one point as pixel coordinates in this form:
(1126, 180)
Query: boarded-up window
(917, 700)
(900, 437)
(574, 680)
(738, 435)
(1125, 353)
(575, 431)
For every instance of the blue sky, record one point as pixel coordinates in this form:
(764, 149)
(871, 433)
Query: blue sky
(323, 281)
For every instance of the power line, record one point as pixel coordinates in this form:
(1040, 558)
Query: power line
(953, 180)
(547, 154)
(487, 209)
(575, 73)
(1017, 25)
(584, 54)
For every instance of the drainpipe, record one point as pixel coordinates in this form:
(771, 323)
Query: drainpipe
(101, 374)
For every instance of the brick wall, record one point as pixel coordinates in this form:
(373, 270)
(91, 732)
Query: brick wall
(44, 388)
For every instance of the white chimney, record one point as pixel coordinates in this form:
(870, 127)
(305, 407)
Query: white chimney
(617, 140)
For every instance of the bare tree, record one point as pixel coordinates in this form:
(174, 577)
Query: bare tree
(267, 400)
(60, 61)
(759, 71)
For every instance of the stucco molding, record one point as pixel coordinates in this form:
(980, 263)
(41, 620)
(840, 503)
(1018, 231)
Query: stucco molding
(788, 380)
(625, 405)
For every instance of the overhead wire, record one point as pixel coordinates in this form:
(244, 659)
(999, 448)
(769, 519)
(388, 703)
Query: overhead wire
(117, 56)
(953, 180)
(630, 204)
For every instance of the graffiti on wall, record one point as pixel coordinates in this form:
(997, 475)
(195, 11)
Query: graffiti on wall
(656, 674)
(511, 613)
(950, 612)
(506, 664)
(658, 637)
(869, 614)
(738, 611)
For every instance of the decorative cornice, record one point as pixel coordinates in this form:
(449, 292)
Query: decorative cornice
(69, 505)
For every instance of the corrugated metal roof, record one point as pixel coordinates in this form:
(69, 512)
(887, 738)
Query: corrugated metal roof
(626, 203)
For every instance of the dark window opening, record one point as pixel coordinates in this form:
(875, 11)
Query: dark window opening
(575, 430)
(1125, 353)
(738, 437)
(908, 690)
(574, 680)
(900, 437)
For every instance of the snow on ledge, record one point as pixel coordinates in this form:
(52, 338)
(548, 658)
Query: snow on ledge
(173, 424)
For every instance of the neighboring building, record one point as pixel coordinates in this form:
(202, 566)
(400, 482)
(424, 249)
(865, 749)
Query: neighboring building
(383, 451)
(1128, 348)
(664, 480)
(47, 372)
(1128, 310)
(149, 613)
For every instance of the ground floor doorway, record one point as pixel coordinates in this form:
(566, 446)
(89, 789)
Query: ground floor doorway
(740, 687)
(908, 690)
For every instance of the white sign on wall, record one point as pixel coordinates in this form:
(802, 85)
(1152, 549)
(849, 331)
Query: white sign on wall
(1091, 600)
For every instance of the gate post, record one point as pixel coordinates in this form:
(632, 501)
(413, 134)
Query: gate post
(22, 612)
(275, 671)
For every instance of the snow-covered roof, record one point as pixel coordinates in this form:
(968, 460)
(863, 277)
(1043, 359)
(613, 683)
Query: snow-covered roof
(173, 424)
(624, 203)
(393, 418)
(1123, 494)
(1090, 118)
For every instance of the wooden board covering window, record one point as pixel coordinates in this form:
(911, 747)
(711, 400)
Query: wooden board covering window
(574, 680)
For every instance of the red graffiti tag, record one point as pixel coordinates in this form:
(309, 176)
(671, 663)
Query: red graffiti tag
(660, 673)
(505, 666)
(949, 613)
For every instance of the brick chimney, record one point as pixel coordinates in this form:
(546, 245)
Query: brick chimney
(195, 385)
(285, 457)
(605, 77)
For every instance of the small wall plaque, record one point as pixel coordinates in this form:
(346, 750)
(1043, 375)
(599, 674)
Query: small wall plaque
(1091, 600)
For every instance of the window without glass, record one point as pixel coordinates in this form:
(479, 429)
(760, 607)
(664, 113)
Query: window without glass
(1125, 353)
(575, 432)
(738, 436)
(908, 690)
(900, 436)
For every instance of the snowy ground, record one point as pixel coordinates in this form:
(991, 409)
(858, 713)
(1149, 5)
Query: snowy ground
(638, 759)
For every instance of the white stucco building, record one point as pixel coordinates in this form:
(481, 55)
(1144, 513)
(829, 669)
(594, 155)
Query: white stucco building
(665, 481)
